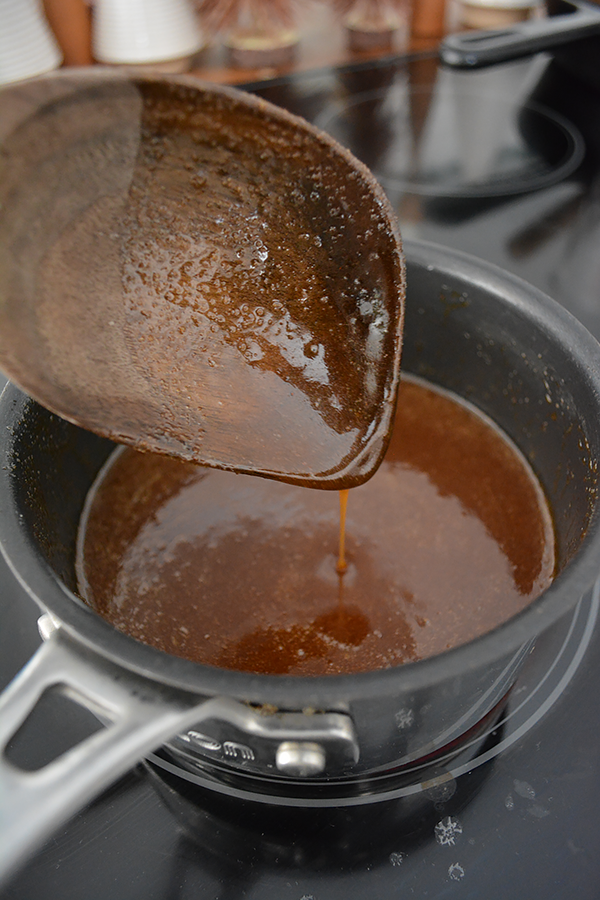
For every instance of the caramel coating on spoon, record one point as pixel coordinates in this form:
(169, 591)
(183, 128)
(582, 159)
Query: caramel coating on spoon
(193, 271)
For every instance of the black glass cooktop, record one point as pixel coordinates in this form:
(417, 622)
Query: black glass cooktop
(503, 164)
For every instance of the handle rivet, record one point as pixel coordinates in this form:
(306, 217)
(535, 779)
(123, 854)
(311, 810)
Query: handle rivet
(47, 625)
(300, 758)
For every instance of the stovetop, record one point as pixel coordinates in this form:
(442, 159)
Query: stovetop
(504, 164)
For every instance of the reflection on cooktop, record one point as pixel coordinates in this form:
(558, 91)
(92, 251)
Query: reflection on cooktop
(458, 136)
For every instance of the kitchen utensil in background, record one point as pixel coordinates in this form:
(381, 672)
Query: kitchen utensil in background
(570, 30)
(146, 32)
(255, 33)
(375, 25)
(27, 44)
(492, 14)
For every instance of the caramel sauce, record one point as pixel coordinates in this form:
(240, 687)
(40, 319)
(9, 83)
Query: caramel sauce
(451, 537)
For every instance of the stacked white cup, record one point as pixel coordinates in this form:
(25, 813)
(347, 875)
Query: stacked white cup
(146, 32)
(27, 44)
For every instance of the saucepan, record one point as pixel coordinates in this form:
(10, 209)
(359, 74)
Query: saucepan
(471, 328)
(570, 31)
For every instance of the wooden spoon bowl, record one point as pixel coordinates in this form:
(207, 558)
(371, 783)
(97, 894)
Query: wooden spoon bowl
(191, 270)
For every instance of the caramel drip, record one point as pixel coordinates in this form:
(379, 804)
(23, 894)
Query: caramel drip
(342, 565)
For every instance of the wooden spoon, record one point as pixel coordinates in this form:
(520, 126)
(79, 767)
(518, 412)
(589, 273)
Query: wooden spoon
(188, 269)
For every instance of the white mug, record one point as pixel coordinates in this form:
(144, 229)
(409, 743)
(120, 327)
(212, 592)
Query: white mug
(136, 32)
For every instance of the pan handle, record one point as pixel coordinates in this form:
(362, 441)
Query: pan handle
(138, 716)
(476, 49)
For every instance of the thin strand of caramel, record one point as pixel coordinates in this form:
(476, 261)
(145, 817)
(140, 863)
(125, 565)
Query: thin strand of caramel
(342, 565)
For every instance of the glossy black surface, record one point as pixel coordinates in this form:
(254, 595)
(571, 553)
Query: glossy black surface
(525, 824)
